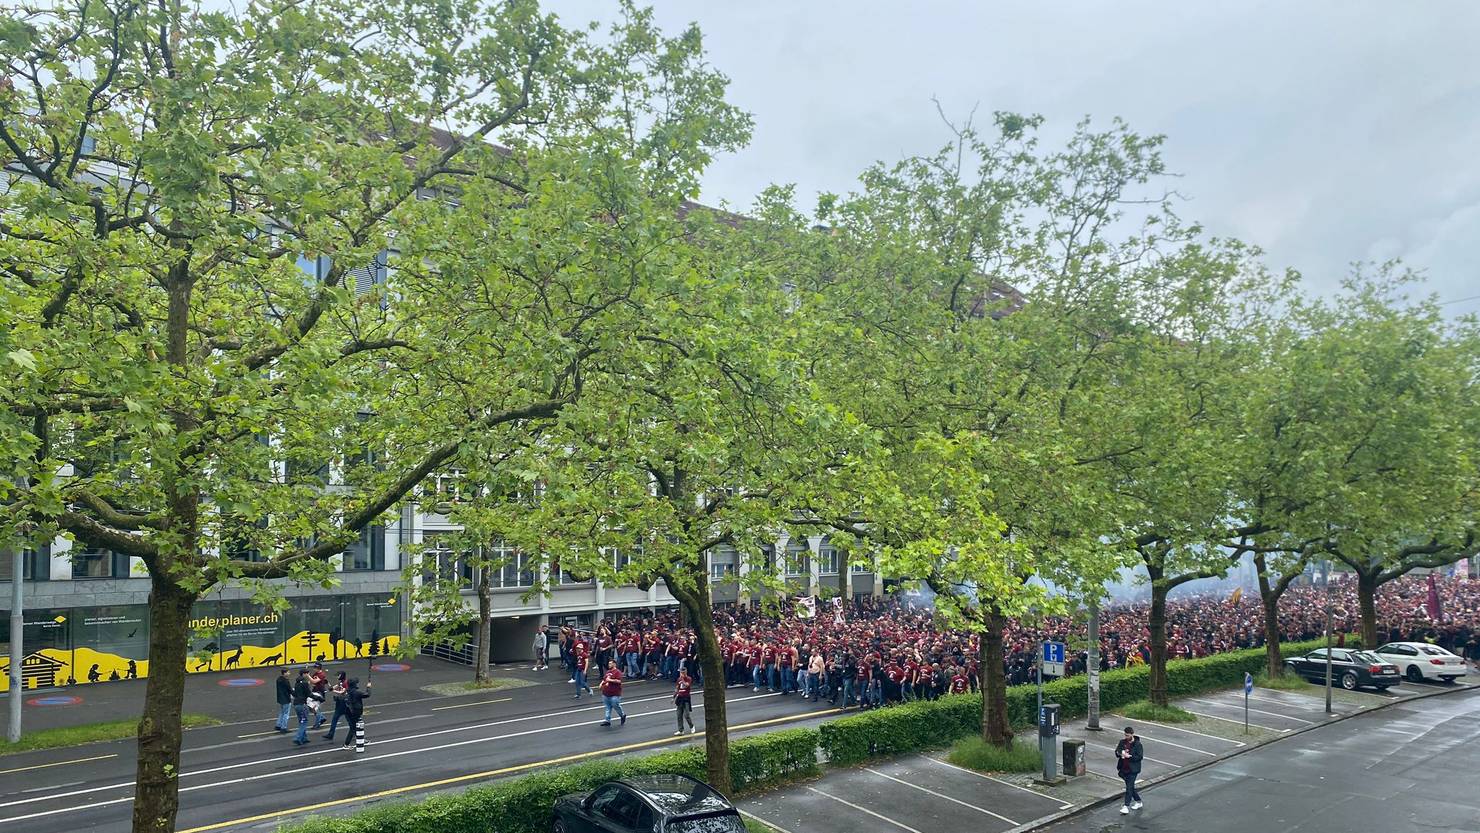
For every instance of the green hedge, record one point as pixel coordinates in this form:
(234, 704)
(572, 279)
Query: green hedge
(933, 724)
(522, 805)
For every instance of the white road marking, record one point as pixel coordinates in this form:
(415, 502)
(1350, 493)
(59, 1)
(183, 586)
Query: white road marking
(1253, 711)
(665, 713)
(1190, 732)
(1236, 722)
(465, 705)
(942, 795)
(878, 816)
(997, 780)
(1179, 746)
(1144, 757)
(771, 824)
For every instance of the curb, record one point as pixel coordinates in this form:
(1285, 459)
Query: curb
(1054, 818)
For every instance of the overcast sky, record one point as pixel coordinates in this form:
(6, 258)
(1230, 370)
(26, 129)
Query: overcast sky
(1324, 132)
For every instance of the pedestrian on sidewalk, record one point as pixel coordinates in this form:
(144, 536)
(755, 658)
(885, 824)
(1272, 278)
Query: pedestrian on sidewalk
(683, 703)
(354, 708)
(302, 688)
(1128, 764)
(341, 709)
(541, 646)
(611, 692)
(284, 699)
(582, 662)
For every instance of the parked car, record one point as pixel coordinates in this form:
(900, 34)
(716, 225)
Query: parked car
(647, 804)
(1350, 669)
(1422, 661)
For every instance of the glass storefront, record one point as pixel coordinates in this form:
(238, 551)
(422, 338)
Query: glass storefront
(73, 646)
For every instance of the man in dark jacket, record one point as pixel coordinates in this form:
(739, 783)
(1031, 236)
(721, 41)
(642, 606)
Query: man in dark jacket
(302, 688)
(354, 705)
(284, 699)
(1128, 765)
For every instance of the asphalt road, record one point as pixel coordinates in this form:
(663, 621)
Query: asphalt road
(247, 775)
(1407, 767)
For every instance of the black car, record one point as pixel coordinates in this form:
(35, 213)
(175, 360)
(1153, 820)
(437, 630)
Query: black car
(648, 804)
(1349, 669)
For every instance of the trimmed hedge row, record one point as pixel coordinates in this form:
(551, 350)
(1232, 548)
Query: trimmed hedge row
(932, 724)
(522, 805)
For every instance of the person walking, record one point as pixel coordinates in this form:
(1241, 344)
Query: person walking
(302, 690)
(354, 708)
(1128, 764)
(683, 703)
(582, 665)
(815, 670)
(541, 647)
(318, 684)
(284, 700)
(611, 693)
(340, 709)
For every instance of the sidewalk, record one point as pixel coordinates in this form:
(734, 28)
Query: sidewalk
(924, 793)
(251, 694)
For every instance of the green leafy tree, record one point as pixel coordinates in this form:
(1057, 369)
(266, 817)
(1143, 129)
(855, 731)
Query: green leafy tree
(263, 272)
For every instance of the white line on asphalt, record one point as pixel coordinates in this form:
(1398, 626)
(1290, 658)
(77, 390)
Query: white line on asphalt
(665, 713)
(865, 810)
(479, 703)
(771, 824)
(998, 780)
(1253, 711)
(1236, 722)
(1144, 757)
(942, 795)
(1190, 732)
(1180, 746)
(1278, 702)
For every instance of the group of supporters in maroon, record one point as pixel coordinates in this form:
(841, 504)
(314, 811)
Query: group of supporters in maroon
(878, 651)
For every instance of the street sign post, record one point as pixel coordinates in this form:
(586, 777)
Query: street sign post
(1248, 689)
(1053, 658)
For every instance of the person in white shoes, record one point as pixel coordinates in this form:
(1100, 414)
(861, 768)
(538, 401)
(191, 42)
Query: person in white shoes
(1128, 765)
(683, 702)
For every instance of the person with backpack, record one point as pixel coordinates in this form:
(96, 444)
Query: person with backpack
(302, 689)
(284, 700)
(1128, 765)
(354, 708)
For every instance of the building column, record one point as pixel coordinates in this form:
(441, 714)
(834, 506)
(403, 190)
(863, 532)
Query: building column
(742, 570)
(878, 578)
(814, 570)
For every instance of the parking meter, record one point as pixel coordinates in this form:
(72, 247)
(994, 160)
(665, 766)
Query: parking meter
(1048, 720)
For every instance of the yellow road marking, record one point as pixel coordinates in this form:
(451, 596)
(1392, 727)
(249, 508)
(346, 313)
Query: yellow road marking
(492, 773)
(58, 763)
(479, 703)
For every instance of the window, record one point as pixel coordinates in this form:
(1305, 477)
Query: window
(368, 553)
(621, 558)
(827, 559)
(35, 564)
(797, 558)
(622, 809)
(516, 569)
(723, 562)
(96, 563)
(862, 568)
(442, 563)
(236, 538)
(721, 572)
(443, 486)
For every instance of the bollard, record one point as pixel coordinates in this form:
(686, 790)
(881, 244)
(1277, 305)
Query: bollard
(360, 736)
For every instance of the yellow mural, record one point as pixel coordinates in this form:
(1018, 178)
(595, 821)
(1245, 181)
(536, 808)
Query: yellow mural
(50, 667)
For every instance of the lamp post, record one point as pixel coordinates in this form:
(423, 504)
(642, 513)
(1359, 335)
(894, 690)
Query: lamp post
(1092, 666)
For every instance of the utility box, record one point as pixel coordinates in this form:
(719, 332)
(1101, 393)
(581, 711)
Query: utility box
(1073, 757)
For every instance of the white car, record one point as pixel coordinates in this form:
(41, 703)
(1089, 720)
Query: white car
(1422, 661)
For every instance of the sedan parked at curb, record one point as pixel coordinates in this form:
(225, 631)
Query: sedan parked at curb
(1350, 669)
(1423, 661)
(647, 804)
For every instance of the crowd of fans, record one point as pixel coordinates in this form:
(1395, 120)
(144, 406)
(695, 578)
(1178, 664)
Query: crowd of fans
(878, 651)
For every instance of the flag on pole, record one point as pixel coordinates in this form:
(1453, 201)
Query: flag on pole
(1434, 610)
(1238, 594)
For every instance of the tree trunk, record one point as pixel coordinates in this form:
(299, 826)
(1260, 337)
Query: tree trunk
(156, 791)
(485, 624)
(1367, 602)
(700, 613)
(1274, 663)
(1157, 624)
(996, 728)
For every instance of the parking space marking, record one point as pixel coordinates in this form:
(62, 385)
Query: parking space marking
(1254, 711)
(1180, 746)
(1311, 706)
(1236, 722)
(1190, 732)
(997, 780)
(942, 795)
(1144, 757)
(771, 824)
(878, 816)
